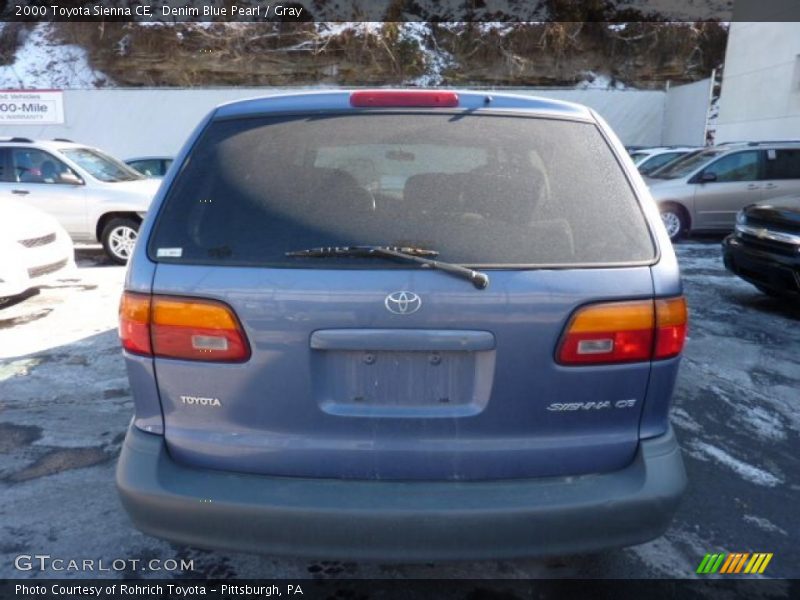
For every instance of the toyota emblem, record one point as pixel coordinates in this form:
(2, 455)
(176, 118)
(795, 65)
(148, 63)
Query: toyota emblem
(403, 303)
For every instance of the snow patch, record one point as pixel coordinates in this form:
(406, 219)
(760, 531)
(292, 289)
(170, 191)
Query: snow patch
(764, 524)
(41, 63)
(683, 420)
(332, 29)
(496, 27)
(18, 368)
(663, 556)
(78, 311)
(764, 424)
(593, 81)
(436, 59)
(746, 471)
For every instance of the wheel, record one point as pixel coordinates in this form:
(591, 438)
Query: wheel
(674, 221)
(118, 237)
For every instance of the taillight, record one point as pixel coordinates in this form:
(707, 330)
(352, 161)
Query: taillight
(185, 328)
(671, 321)
(619, 332)
(134, 323)
(403, 98)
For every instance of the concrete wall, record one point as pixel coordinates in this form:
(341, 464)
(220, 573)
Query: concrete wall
(137, 122)
(686, 113)
(637, 116)
(760, 97)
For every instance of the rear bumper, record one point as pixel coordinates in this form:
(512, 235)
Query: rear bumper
(771, 270)
(399, 521)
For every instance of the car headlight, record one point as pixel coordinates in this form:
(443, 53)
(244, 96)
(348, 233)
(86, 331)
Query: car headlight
(741, 219)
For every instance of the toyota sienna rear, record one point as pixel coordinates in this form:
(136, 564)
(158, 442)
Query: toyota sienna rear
(402, 325)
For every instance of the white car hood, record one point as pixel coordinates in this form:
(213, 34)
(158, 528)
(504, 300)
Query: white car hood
(145, 188)
(18, 221)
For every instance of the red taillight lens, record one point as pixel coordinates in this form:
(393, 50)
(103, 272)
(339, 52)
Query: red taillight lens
(672, 319)
(403, 98)
(134, 323)
(609, 333)
(619, 332)
(185, 328)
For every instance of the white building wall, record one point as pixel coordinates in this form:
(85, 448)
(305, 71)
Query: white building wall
(686, 114)
(760, 97)
(140, 122)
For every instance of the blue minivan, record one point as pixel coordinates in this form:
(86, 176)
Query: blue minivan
(402, 325)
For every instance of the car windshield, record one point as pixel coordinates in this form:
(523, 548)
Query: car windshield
(101, 166)
(657, 161)
(481, 190)
(686, 165)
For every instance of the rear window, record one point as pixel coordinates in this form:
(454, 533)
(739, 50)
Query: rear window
(783, 164)
(480, 190)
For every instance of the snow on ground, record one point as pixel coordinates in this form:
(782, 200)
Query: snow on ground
(664, 556)
(685, 421)
(593, 81)
(764, 524)
(763, 423)
(436, 59)
(65, 312)
(745, 470)
(43, 63)
(325, 29)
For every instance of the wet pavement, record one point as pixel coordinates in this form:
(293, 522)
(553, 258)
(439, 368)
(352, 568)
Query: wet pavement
(65, 405)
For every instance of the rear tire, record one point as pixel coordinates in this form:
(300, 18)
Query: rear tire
(674, 220)
(118, 238)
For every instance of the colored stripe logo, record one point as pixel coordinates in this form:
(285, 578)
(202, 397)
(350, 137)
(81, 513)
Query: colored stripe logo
(735, 562)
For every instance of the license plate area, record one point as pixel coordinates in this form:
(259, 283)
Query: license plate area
(391, 383)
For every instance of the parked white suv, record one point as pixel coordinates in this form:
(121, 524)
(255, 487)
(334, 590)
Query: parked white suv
(95, 197)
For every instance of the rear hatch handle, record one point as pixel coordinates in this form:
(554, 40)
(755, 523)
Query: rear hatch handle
(417, 255)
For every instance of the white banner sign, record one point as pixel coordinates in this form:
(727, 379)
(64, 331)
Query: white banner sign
(31, 107)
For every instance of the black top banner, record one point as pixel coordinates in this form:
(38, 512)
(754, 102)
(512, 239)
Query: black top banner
(511, 11)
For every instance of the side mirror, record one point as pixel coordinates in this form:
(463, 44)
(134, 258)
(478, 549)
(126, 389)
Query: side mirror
(70, 179)
(708, 176)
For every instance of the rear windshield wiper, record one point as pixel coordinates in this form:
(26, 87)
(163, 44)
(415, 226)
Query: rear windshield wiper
(420, 256)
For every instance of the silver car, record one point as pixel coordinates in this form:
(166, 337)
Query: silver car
(705, 190)
(95, 197)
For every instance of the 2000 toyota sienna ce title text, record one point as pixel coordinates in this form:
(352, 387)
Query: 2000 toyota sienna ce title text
(402, 325)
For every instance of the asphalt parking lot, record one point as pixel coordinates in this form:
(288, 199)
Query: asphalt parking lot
(65, 405)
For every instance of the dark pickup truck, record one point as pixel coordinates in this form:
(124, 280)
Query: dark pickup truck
(765, 248)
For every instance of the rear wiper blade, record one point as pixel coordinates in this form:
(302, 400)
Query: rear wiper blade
(411, 254)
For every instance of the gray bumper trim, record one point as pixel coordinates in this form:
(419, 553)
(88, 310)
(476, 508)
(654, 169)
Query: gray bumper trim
(402, 521)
